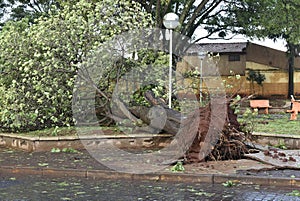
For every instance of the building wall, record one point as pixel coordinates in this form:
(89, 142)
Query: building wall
(276, 82)
(227, 67)
(271, 86)
(266, 56)
(224, 66)
(270, 62)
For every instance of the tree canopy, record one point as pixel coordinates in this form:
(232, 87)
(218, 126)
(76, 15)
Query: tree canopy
(193, 14)
(18, 9)
(268, 18)
(206, 14)
(38, 63)
(274, 19)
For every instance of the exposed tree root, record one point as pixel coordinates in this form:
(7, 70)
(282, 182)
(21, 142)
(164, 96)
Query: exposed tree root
(218, 136)
(229, 145)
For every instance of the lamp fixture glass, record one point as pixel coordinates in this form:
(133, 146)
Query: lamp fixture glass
(171, 21)
(201, 55)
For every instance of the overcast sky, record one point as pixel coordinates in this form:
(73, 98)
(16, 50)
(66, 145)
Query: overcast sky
(279, 44)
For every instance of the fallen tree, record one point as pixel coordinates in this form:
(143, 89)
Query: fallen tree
(215, 139)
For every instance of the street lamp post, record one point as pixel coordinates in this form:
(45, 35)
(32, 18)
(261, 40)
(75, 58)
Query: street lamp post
(170, 21)
(201, 56)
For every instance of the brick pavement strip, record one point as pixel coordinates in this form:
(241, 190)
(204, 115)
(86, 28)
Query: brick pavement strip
(104, 174)
(181, 177)
(168, 177)
(63, 173)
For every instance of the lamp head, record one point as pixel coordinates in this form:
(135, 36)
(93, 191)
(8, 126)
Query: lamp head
(201, 55)
(171, 21)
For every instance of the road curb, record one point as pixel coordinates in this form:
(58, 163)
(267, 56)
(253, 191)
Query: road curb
(167, 177)
(40, 144)
(289, 140)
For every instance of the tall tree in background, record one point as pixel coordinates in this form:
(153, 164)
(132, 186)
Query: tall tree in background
(275, 19)
(3, 6)
(193, 14)
(19, 9)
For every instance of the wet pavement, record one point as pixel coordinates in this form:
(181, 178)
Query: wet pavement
(80, 160)
(48, 188)
(289, 173)
(36, 187)
(83, 160)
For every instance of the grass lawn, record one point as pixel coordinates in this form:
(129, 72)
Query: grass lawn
(51, 132)
(277, 124)
(272, 123)
(70, 131)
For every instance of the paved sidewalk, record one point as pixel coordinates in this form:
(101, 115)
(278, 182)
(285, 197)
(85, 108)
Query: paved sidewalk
(82, 162)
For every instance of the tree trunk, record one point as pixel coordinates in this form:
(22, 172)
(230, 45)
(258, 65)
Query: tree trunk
(291, 59)
(203, 135)
(159, 116)
(169, 122)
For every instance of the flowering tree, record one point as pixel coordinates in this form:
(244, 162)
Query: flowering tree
(38, 63)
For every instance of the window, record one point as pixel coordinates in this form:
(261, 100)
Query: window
(234, 57)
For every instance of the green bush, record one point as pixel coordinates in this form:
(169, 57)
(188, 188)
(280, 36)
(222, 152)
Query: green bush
(38, 63)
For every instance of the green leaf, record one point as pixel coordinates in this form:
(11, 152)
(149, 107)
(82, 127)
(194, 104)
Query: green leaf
(43, 164)
(294, 193)
(178, 167)
(228, 183)
(69, 150)
(55, 150)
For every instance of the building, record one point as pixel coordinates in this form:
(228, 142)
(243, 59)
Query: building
(235, 61)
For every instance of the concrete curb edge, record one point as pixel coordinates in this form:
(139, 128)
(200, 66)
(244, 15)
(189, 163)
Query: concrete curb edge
(168, 177)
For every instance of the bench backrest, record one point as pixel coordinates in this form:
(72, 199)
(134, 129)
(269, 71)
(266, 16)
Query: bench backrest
(296, 106)
(259, 103)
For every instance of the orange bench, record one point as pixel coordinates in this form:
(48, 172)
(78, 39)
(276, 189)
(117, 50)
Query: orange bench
(260, 104)
(295, 108)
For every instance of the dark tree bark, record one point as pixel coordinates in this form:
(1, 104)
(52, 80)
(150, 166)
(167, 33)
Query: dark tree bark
(291, 62)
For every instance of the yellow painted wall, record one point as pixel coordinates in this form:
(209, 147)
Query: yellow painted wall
(276, 82)
(257, 66)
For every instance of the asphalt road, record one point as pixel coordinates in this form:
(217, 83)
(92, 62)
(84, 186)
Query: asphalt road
(21, 188)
